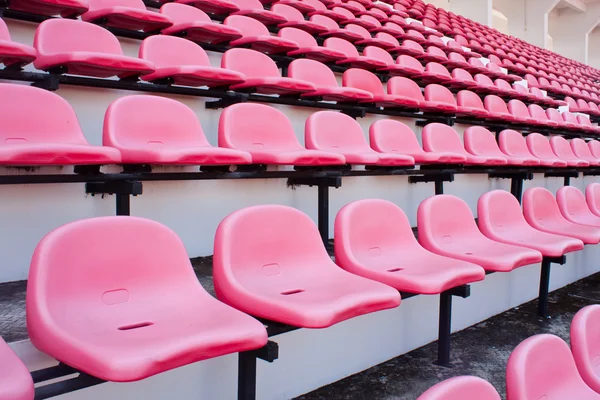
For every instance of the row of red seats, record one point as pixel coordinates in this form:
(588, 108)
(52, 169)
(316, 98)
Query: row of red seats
(540, 367)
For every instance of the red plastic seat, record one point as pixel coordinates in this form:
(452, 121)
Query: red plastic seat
(15, 380)
(542, 212)
(295, 19)
(571, 120)
(333, 29)
(585, 123)
(539, 114)
(367, 81)
(435, 72)
(353, 59)
(158, 130)
(573, 206)
(592, 197)
(128, 332)
(374, 239)
(582, 151)
(542, 367)
(470, 103)
(334, 132)
(277, 283)
(563, 150)
(409, 48)
(486, 85)
(443, 138)
(594, 146)
(455, 234)
(514, 146)
(267, 134)
(50, 136)
(195, 25)
(481, 142)
(380, 39)
(308, 47)
(13, 53)
(462, 79)
(457, 60)
(64, 8)
(182, 62)
(221, 7)
(519, 111)
(324, 80)
(585, 328)
(540, 147)
(440, 99)
(461, 388)
(554, 115)
(262, 74)
(301, 6)
(497, 108)
(125, 14)
(82, 48)
(256, 36)
(389, 136)
(409, 66)
(254, 9)
(500, 218)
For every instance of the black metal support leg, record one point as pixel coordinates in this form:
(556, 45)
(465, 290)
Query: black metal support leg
(544, 288)
(439, 187)
(516, 187)
(444, 329)
(122, 189)
(123, 204)
(323, 209)
(247, 368)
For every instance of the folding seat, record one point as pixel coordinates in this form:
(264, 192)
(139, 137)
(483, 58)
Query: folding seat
(60, 47)
(470, 103)
(573, 206)
(519, 111)
(13, 54)
(267, 134)
(181, 326)
(573, 106)
(563, 150)
(584, 331)
(295, 19)
(325, 82)
(125, 14)
(594, 109)
(389, 136)
(308, 47)
(333, 29)
(497, 108)
(254, 9)
(262, 74)
(15, 380)
(540, 147)
(539, 114)
(592, 197)
(256, 36)
(275, 282)
(353, 59)
(335, 132)
(542, 367)
(455, 234)
(581, 150)
(461, 388)
(52, 137)
(367, 81)
(542, 212)
(64, 8)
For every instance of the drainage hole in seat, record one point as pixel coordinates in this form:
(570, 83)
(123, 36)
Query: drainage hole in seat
(135, 326)
(395, 269)
(289, 292)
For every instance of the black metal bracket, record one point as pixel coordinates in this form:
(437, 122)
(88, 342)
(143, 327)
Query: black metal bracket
(544, 289)
(591, 172)
(445, 322)
(247, 368)
(355, 113)
(81, 381)
(122, 189)
(567, 175)
(516, 181)
(228, 100)
(51, 83)
(447, 119)
(437, 178)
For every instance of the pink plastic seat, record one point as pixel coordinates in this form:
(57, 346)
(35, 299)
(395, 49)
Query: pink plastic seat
(128, 333)
(408, 66)
(539, 114)
(563, 150)
(455, 234)
(324, 80)
(462, 79)
(571, 120)
(409, 48)
(500, 218)
(374, 239)
(457, 60)
(301, 6)
(443, 138)
(594, 146)
(540, 147)
(585, 123)
(267, 134)
(15, 380)
(262, 74)
(592, 197)
(182, 62)
(295, 19)
(125, 14)
(256, 36)
(195, 25)
(435, 72)
(50, 136)
(13, 53)
(367, 81)
(497, 108)
(573, 206)
(307, 46)
(582, 151)
(461, 388)
(439, 98)
(254, 9)
(542, 212)
(333, 29)
(158, 130)
(82, 48)
(221, 7)
(353, 59)
(292, 280)
(64, 8)
(542, 367)
(481, 142)
(585, 329)
(519, 111)
(470, 103)
(334, 132)
(555, 115)
(389, 136)
(514, 146)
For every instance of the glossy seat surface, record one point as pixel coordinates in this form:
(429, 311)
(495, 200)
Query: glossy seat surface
(481, 142)
(255, 9)
(585, 329)
(540, 147)
(15, 380)
(582, 151)
(307, 46)
(461, 388)
(365, 80)
(573, 206)
(13, 53)
(592, 197)
(256, 36)
(563, 150)
(125, 14)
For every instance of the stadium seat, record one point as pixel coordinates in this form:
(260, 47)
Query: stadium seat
(389, 136)
(585, 123)
(457, 60)
(158, 130)
(267, 134)
(128, 333)
(15, 379)
(333, 29)
(514, 146)
(592, 197)
(367, 81)
(52, 137)
(275, 282)
(479, 141)
(500, 218)
(353, 59)
(519, 111)
(254, 9)
(219, 7)
(585, 328)
(435, 72)
(461, 388)
(540, 147)
(307, 46)
(455, 234)
(256, 36)
(302, 6)
(334, 132)
(443, 138)
(571, 120)
(573, 206)
(581, 150)
(380, 39)
(470, 103)
(262, 74)
(181, 62)
(563, 150)
(461, 79)
(13, 54)
(374, 237)
(125, 14)
(440, 99)
(324, 80)
(195, 25)
(60, 48)
(497, 108)
(542, 367)
(539, 114)
(64, 8)
(295, 19)
(542, 212)
(555, 115)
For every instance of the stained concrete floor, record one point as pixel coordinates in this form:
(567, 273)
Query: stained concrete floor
(481, 350)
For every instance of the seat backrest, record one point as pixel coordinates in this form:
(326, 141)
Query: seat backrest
(252, 126)
(554, 115)
(571, 103)
(442, 138)
(364, 80)
(435, 92)
(518, 109)
(389, 136)
(411, 44)
(251, 63)
(358, 30)
(562, 148)
(288, 12)
(4, 33)
(502, 84)
(583, 120)
(342, 11)
(571, 201)
(58, 35)
(318, 5)
(539, 146)
(495, 104)
(246, 25)
(171, 51)
(404, 86)
(379, 54)
(408, 61)
(341, 45)
(303, 38)
(334, 131)
(480, 141)
(182, 13)
(520, 88)
(324, 20)
(437, 52)
(476, 62)
(537, 112)
(393, 27)
(466, 98)
(99, 4)
(459, 73)
(152, 122)
(513, 144)
(456, 57)
(541, 367)
(312, 71)
(592, 196)
(581, 149)
(437, 68)
(483, 80)
(248, 4)
(461, 388)
(53, 120)
(570, 117)
(499, 211)
(540, 206)
(585, 329)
